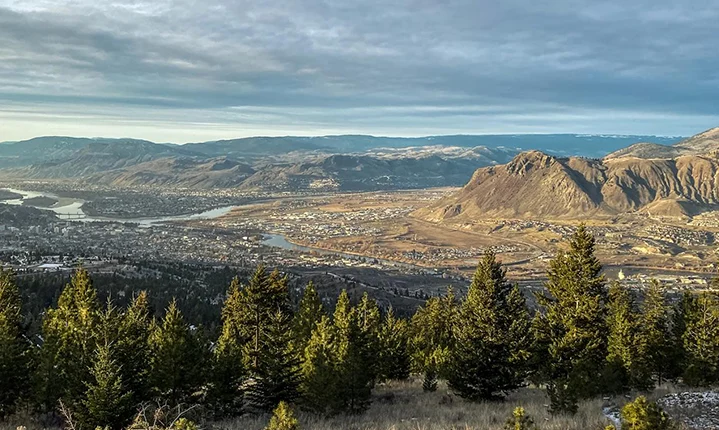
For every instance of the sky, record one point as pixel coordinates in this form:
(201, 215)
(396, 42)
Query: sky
(195, 70)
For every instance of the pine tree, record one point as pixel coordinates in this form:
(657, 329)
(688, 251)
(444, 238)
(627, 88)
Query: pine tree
(394, 354)
(491, 337)
(133, 348)
(320, 378)
(355, 377)
(264, 295)
(265, 325)
(370, 322)
(14, 348)
(228, 373)
(69, 341)
(283, 419)
(276, 378)
(354, 362)
(682, 313)
(176, 359)
(431, 339)
(701, 342)
(571, 335)
(107, 404)
(621, 348)
(342, 316)
(309, 314)
(652, 339)
(108, 325)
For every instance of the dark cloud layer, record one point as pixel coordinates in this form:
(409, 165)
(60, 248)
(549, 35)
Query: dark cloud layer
(180, 69)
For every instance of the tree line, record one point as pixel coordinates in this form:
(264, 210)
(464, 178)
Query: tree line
(585, 339)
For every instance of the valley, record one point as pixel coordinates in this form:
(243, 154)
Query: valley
(404, 226)
(653, 217)
(343, 215)
(390, 226)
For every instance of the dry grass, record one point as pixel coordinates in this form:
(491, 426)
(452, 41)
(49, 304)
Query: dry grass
(403, 406)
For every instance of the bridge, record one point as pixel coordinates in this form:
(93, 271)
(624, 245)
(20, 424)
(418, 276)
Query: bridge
(76, 215)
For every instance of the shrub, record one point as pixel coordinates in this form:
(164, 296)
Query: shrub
(283, 419)
(644, 415)
(520, 421)
(162, 418)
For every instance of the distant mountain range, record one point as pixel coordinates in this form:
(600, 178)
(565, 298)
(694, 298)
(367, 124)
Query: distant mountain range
(560, 144)
(680, 180)
(352, 162)
(701, 144)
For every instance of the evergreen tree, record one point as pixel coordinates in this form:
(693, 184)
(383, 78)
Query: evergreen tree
(491, 336)
(701, 342)
(132, 349)
(276, 376)
(354, 362)
(106, 404)
(683, 311)
(342, 316)
(108, 325)
(228, 373)
(431, 339)
(653, 339)
(264, 295)
(283, 419)
(309, 314)
(264, 319)
(14, 347)
(621, 348)
(176, 359)
(370, 322)
(69, 343)
(320, 378)
(571, 335)
(394, 354)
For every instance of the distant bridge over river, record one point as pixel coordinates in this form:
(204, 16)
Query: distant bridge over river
(78, 215)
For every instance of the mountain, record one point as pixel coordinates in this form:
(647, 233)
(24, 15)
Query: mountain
(39, 149)
(142, 163)
(349, 162)
(100, 156)
(559, 144)
(702, 143)
(536, 185)
(377, 171)
(179, 173)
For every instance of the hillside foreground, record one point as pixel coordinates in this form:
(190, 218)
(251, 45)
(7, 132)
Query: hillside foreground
(402, 405)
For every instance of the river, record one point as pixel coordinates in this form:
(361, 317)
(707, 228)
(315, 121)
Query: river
(71, 210)
(279, 241)
(62, 208)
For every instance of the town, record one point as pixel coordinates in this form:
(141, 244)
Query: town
(356, 235)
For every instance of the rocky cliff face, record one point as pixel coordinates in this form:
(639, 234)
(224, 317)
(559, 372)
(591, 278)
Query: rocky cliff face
(536, 185)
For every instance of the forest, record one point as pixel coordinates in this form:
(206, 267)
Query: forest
(86, 364)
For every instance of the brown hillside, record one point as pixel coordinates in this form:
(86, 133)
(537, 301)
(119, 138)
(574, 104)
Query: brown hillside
(536, 185)
(701, 144)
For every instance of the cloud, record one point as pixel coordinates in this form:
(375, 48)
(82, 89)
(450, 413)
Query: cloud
(171, 69)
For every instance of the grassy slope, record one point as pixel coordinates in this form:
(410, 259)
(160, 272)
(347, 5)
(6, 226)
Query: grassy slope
(403, 406)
